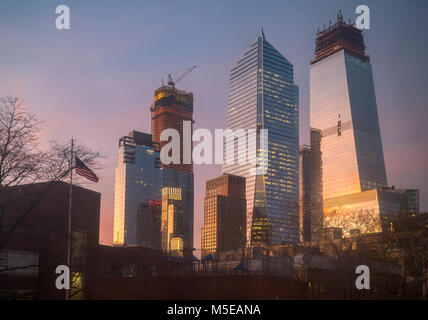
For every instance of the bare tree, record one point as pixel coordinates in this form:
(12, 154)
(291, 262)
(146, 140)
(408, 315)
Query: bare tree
(409, 238)
(348, 238)
(23, 162)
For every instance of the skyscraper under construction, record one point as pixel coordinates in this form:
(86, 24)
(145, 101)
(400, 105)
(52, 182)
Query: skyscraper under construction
(343, 110)
(173, 109)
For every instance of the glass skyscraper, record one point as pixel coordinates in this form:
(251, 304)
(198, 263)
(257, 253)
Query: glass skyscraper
(262, 95)
(343, 107)
(138, 183)
(343, 110)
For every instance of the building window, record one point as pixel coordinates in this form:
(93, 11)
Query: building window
(78, 264)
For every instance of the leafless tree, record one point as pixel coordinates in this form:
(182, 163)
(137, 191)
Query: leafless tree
(348, 238)
(23, 162)
(409, 238)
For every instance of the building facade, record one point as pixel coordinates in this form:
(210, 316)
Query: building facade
(343, 107)
(305, 193)
(172, 221)
(262, 95)
(410, 199)
(317, 214)
(149, 224)
(141, 175)
(344, 122)
(224, 215)
(38, 244)
(138, 183)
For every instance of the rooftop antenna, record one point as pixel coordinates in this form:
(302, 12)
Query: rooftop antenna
(263, 34)
(339, 17)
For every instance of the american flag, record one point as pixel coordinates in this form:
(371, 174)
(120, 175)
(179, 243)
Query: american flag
(83, 170)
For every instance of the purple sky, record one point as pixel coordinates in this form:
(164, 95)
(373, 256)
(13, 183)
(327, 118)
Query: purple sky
(96, 81)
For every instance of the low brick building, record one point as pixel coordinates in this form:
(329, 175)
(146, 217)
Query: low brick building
(38, 244)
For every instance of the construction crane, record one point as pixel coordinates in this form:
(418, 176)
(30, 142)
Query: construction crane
(172, 82)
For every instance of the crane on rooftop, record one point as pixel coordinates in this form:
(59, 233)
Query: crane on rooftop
(172, 82)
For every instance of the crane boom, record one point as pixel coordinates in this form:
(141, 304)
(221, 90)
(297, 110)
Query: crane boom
(172, 82)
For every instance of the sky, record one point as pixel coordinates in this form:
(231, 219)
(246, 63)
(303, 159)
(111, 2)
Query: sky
(96, 81)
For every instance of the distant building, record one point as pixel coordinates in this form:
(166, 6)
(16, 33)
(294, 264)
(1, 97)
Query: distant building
(224, 215)
(138, 183)
(263, 95)
(39, 243)
(305, 193)
(141, 176)
(172, 221)
(412, 201)
(184, 181)
(410, 198)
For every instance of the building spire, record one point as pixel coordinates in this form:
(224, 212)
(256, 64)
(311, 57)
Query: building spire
(263, 34)
(339, 17)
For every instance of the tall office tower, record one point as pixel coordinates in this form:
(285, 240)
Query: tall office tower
(138, 182)
(262, 95)
(171, 107)
(305, 193)
(172, 221)
(224, 215)
(343, 107)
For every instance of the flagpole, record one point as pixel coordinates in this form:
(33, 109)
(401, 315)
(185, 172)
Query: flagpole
(68, 291)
